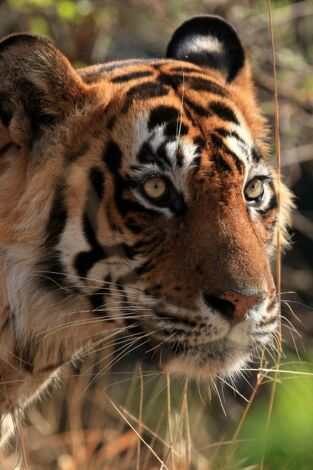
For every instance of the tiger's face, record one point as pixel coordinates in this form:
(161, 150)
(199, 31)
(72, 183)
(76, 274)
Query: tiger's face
(138, 199)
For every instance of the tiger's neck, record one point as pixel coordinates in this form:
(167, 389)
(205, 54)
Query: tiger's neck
(38, 334)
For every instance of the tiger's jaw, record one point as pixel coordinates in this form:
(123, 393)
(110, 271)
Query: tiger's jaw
(208, 361)
(208, 346)
(221, 358)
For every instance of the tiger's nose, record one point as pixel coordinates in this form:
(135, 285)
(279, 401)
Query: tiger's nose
(233, 305)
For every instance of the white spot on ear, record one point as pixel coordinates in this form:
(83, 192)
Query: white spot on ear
(199, 44)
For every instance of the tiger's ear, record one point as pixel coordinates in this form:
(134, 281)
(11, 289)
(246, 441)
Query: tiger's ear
(209, 41)
(38, 86)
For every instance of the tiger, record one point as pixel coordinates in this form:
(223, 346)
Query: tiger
(137, 198)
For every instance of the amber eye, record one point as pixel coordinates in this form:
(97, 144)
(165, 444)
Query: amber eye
(155, 188)
(254, 189)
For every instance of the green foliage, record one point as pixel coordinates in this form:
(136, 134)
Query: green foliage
(288, 442)
(28, 5)
(39, 25)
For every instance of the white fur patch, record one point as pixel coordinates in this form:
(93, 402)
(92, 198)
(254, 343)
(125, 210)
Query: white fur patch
(199, 43)
(140, 133)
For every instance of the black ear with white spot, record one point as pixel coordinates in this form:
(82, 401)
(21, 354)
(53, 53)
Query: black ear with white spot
(208, 41)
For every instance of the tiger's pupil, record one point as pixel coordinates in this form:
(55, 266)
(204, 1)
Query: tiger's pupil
(155, 188)
(254, 189)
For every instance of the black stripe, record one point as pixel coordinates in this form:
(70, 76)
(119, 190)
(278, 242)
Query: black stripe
(163, 160)
(5, 326)
(201, 84)
(162, 114)
(144, 91)
(273, 204)
(111, 122)
(200, 143)
(90, 77)
(90, 234)
(4, 149)
(179, 158)
(132, 250)
(74, 155)
(176, 129)
(195, 165)
(145, 267)
(84, 260)
(94, 196)
(220, 163)
(223, 112)
(54, 276)
(132, 224)
(97, 300)
(154, 291)
(173, 81)
(256, 156)
(112, 157)
(57, 217)
(127, 77)
(97, 181)
(119, 64)
(218, 143)
(25, 353)
(225, 133)
(194, 83)
(145, 155)
(189, 115)
(198, 109)
(5, 112)
(187, 70)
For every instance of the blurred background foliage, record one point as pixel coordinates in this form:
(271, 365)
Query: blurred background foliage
(91, 31)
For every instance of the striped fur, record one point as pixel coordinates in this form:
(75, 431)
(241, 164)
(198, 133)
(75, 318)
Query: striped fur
(84, 253)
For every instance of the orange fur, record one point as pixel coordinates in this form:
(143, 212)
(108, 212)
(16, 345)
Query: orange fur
(58, 138)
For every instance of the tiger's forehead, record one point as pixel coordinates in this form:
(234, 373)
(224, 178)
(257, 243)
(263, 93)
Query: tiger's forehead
(171, 110)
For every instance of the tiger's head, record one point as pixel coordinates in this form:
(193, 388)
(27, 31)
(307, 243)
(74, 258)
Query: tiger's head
(137, 197)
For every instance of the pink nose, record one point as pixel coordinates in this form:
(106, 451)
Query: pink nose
(242, 303)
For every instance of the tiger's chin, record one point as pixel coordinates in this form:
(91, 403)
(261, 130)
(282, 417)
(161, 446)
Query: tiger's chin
(206, 362)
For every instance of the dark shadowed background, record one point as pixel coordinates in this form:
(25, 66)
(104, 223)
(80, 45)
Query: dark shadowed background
(196, 431)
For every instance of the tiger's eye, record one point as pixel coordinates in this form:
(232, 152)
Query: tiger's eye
(155, 188)
(254, 189)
